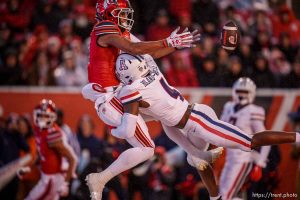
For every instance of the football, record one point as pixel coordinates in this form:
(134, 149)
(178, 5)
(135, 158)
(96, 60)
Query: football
(230, 36)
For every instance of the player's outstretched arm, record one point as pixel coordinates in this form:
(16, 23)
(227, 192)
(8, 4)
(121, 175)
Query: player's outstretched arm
(176, 40)
(66, 152)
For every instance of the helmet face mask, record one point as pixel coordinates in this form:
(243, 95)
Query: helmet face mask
(130, 68)
(118, 11)
(44, 114)
(244, 90)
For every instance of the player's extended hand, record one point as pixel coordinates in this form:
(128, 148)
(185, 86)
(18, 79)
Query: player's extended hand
(180, 40)
(256, 173)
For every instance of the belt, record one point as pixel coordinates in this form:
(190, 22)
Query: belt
(185, 117)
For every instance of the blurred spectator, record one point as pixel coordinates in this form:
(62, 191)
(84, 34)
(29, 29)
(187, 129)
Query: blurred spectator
(177, 7)
(68, 73)
(286, 47)
(81, 59)
(82, 25)
(209, 75)
(161, 28)
(162, 176)
(234, 72)
(41, 74)
(246, 54)
(261, 75)
(28, 180)
(185, 20)
(10, 72)
(54, 51)
(71, 137)
(6, 39)
(233, 14)
(279, 66)
(286, 22)
(262, 43)
(17, 13)
(11, 143)
(36, 42)
(260, 22)
(87, 138)
(180, 70)
(222, 59)
(203, 10)
(292, 80)
(67, 36)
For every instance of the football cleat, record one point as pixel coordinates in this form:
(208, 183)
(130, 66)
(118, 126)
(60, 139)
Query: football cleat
(95, 185)
(201, 164)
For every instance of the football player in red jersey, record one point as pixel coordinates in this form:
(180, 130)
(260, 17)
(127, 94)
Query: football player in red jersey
(52, 147)
(109, 37)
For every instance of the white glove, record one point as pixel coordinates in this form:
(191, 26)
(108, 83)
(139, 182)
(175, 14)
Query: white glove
(182, 40)
(64, 189)
(22, 171)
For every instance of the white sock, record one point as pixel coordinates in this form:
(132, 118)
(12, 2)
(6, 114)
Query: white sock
(126, 160)
(297, 137)
(215, 198)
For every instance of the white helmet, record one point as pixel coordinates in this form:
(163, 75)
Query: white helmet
(130, 68)
(243, 91)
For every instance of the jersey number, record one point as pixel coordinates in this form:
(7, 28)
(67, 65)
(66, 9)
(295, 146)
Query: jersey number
(232, 120)
(171, 91)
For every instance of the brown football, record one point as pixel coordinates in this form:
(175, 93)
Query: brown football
(230, 36)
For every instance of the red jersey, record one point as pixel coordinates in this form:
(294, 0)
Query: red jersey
(101, 67)
(50, 160)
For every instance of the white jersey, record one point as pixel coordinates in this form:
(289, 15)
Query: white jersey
(166, 103)
(250, 119)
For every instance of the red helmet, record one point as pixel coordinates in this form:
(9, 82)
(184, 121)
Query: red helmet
(118, 11)
(44, 115)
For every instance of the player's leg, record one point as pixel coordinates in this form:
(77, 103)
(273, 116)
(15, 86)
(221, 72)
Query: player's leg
(220, 133)
(42, 189)
(143, 149)
(204, 123)
(266, 138)
(206, 173)
(233, 177)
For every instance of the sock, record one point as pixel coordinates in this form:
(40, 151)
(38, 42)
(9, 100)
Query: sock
(297, 137)
(216, 198)
(126, 160)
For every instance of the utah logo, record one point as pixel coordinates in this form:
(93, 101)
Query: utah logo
(232, 39)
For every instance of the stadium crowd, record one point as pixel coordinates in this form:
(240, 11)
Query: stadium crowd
(45, 43)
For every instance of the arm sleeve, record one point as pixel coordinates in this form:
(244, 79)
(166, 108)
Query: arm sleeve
(105, 28)
(54, 136)
(127, 128)
(224, 114)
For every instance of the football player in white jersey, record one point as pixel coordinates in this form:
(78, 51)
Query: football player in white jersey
(147, 91)
(110, 111)
(249, 117)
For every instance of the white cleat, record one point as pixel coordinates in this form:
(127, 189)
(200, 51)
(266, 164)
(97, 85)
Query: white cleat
(95, 186)
(216, 153)
(201, 164)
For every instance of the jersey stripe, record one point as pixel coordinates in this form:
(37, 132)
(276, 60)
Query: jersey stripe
(133, 100)
(238, 177)
(117, 104)
(144, 135)
(227, 128)
(106, 27)
(130, 95)
(218, 133)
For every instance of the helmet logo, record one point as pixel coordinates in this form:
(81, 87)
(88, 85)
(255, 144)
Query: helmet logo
(122, 65)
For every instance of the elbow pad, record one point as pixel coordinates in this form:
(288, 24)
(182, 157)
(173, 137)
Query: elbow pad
(127, 128)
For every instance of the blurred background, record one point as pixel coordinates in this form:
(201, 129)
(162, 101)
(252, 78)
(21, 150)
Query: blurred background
(44, 54)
